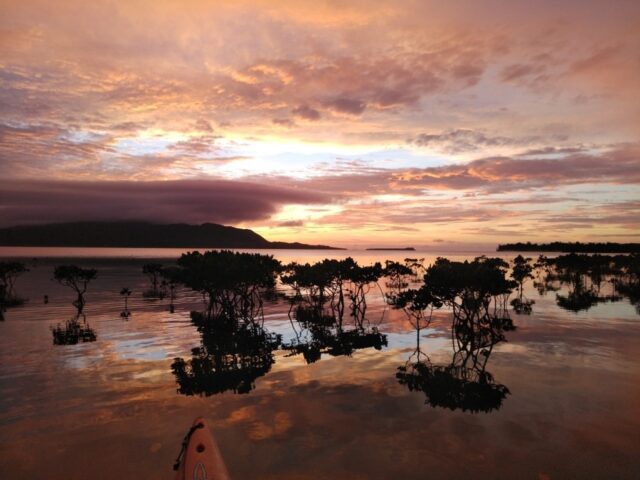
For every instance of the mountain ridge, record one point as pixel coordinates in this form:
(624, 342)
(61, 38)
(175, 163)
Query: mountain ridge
(130, 234)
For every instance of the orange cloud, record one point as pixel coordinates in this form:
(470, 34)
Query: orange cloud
(370, 99)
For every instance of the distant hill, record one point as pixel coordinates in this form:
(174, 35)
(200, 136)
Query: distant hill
(569, 247)
(140, 234)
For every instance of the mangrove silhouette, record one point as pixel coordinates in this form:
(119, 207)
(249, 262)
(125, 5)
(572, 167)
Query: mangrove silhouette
(477, 293)
(321, 294)
(418, 304)
(521, 272)
(398, 275)
(323, 291)
(77, 279)
(627, 281)
(9, 272)
(318, 303)
(74, 330)
(590, 279)
(170, 279)
(154, 272)
(569, 247)
(125, 293)
(234, 284)
(417, 267)
(235, 348)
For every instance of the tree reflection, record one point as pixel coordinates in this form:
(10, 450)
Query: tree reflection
(319, 295)
(314, 339)
(231, 357)
(73, 331)
(590, 279)
(579, 298)
(9, 272)
(627, 282)
(76, 329)
(464, 383)
(235, 347)
(171, 276)
(153, 271)
(477, 293)
(3, 301)
(126, 313)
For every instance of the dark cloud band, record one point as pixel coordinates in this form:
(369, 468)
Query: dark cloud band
(218, 201)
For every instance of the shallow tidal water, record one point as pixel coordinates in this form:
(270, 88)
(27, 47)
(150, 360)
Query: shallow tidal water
(111, 409)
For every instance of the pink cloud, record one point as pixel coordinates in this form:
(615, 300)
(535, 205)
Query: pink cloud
(619, 166)
(306, 112)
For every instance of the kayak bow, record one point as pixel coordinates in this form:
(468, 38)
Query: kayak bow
(200, 458)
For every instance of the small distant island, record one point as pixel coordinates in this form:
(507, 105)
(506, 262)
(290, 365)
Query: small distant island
(403, 249)
(571, 247)
(141, 235)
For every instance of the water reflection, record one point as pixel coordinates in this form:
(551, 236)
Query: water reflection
(319, 296)
(312, 339)
(125, 313)
(9, 272)
(157, 288)
(76, 329)
(230, 358)
(464, 383)
(73, 331)
(115, 389)
(590, 279)
(627, 283)
(477, 293)
(3, 301)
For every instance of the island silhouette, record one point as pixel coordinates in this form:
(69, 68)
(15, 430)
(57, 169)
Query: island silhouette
(141, 235)
(571, 247)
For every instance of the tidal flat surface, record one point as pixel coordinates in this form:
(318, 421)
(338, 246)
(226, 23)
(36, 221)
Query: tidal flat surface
(112, 409)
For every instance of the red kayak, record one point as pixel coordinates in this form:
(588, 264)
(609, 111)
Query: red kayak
(200, 458)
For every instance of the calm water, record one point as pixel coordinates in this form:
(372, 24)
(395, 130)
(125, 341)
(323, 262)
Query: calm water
(111, 408)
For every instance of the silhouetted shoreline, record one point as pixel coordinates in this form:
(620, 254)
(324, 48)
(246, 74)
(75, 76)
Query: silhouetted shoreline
(142, 235)
(571, 247)
(403, 249)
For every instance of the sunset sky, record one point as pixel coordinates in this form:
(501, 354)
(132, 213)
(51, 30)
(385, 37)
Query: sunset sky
(350, 123)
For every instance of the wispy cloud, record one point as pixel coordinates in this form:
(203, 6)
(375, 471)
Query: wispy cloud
(387, 116)
(617, 166)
